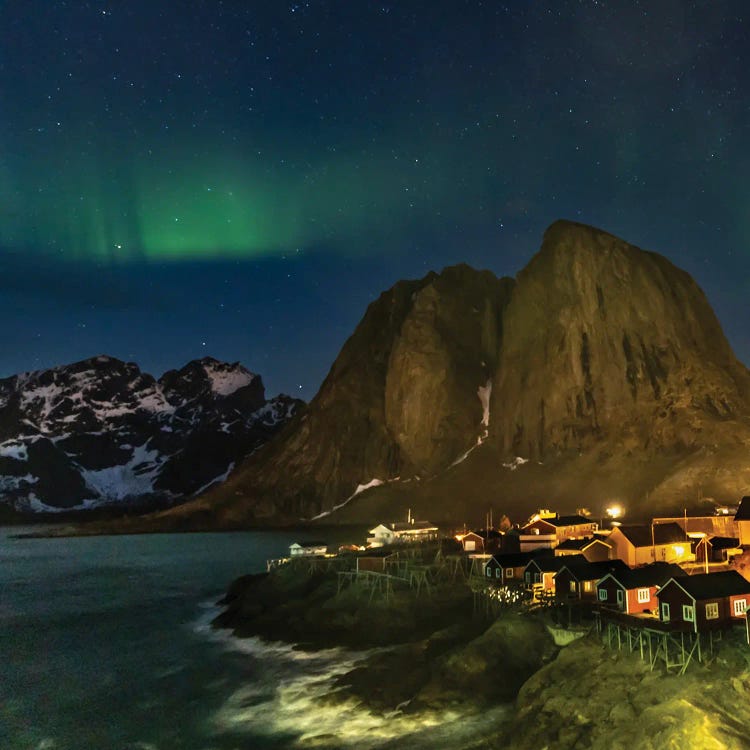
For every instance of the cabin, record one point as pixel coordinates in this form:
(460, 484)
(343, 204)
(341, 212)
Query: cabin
(471, 541)
(717, 549)
(548, 530)
(593, 549)
(539, 574)
(374, 560)
(708, 601)
(633, 591)
(742, 521)
(508, 569)
(307, 549)
(402, 533)
(647, 543)
(578, 580)
(719, 524)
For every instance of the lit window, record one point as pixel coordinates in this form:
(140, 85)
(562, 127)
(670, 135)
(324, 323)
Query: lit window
(740, 606)
(587, 585)
(572, 587)
(509, 572)
(602, 595)
(712, 611)
(688, 613)
(644, 595)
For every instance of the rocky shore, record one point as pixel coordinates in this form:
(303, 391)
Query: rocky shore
(434, 652)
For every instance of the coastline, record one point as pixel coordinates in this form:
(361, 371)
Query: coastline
(453, 662)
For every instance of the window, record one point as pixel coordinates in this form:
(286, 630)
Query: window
(537, 577)
(740, 606)
(665, 611)
(644, 595)
(688, 613)
(712, 611)
(509, 572)
(488, 571)
(470, 545)
(572, 587)
(527, 577)
(587, 585)
(602, 595)
(498, 572)
(619, 596)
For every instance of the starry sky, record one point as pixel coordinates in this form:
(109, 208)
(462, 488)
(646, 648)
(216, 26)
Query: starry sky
(240, 179)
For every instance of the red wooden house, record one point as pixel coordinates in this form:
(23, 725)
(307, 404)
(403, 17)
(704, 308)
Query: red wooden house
(504, 570)
(540, 572)
(578, 580)
(704, 602)
(634, 590)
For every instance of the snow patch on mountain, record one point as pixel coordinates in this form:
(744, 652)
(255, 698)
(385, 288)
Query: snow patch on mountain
(484, 392)
(225, 382)
(132, 479)
(14, 449)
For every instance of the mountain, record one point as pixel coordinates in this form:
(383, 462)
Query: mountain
(102, 433)
(600, 373)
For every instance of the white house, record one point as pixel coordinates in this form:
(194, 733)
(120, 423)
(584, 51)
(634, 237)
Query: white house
(309, 549)
(400, 533)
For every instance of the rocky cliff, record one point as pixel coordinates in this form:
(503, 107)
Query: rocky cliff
(600, 372)
(101, 433)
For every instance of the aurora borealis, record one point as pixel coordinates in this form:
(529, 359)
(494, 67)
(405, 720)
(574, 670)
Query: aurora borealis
(240, 179)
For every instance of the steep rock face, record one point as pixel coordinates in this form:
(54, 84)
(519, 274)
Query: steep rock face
(607, 343)
(101, 432)
(401, 399)
(600, 373)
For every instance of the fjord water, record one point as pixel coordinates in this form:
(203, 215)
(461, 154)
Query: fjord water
(105, 644)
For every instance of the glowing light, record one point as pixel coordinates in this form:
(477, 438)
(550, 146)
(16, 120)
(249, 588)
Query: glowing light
(614, 511)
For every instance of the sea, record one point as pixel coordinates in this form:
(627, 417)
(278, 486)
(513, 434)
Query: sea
(106, 644)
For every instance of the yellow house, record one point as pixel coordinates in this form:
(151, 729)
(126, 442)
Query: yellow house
(742, 519)
(648, 543)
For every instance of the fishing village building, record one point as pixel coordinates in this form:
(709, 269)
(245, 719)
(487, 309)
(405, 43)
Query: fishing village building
(547, 530)
(635, 590)
(647, 543)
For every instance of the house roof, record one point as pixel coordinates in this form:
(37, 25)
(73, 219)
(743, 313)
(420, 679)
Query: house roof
(663, 533)
(568, 520)
(724, 542)
(309, 544)
(583, 570)
(580, 543)
(516, 559)
(655, 574)
(553, 563)
(743, 512)
(713, 585)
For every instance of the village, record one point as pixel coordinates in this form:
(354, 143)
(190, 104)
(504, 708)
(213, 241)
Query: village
(667, 591)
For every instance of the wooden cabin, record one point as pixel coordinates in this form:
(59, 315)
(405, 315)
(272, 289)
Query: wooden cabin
(648, 543)
(592, 548)
(471, 541)
(634, 590)
(307, 549)
(539, 574)
(708, 601)
(509, 569)
(578, 580)
(742, 521)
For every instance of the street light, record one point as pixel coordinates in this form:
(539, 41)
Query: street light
(614, 511)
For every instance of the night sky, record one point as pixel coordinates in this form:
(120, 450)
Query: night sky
(242, 178)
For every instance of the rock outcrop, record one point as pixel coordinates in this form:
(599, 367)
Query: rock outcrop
(601, 372)
(102, 433)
